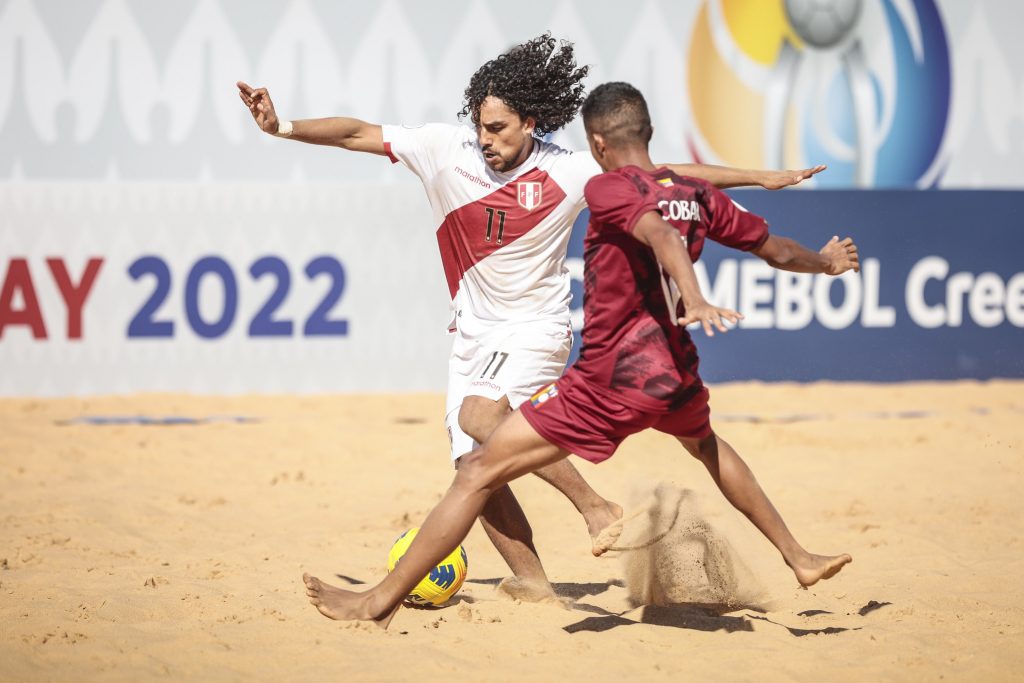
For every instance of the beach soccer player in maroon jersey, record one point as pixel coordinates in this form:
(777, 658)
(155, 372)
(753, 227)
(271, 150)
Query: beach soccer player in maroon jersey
(638, 365)
(504, 201)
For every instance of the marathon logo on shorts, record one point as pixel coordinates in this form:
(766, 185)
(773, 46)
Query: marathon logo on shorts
(544, 395)
(529, 195)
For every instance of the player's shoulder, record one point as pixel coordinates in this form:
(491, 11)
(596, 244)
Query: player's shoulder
(556, 156)
(552, 149)
(436, 130)
(459, 143)
(667, 178)
(432, 126)
(614, 188)
(570, 169)
(627, 178)
(606, 178)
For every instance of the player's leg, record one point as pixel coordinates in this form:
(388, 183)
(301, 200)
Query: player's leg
(478, 417)
(506, 525)
(513, 450)
(598, 512)
(737, 483)
(691, 425)
(516, 363)
(502, 518)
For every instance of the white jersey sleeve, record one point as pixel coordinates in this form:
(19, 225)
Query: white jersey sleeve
(423, 149)
(573, 171)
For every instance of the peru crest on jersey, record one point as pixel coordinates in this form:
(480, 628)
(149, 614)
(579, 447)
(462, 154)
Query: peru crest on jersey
(530, 195)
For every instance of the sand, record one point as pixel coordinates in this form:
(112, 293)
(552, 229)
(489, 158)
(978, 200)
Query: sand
(142, 552)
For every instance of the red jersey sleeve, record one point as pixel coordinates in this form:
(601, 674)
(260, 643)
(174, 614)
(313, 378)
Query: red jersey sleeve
(732, 225)
(616, 203)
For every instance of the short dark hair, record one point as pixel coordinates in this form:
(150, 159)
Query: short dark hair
(618, 112)
(538, 78)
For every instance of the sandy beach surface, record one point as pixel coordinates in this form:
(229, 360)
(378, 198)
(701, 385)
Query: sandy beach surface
(136, 552)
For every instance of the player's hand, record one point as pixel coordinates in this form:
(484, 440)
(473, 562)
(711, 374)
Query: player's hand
(842, 256)
(260, 106)
(710, 317)
(776, 180)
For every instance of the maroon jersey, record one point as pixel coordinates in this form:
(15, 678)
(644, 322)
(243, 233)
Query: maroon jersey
(632, 345)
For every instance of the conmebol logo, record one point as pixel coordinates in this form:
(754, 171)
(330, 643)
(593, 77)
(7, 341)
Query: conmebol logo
(861, 85)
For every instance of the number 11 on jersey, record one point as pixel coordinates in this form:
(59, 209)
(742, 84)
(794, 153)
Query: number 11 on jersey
(490, 223)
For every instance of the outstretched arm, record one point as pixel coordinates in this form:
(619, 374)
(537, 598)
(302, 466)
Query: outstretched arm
(339, 131)
(835, 258)
(669, 249)
(724, 177)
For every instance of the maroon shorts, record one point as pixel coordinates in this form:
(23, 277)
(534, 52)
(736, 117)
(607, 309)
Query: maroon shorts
(573, 416)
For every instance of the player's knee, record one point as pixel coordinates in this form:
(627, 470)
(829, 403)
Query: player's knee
(474, 475)
(478, 418)
(703, 448)
(468, 422)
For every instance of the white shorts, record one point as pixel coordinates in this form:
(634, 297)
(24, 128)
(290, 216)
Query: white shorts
(514, 360)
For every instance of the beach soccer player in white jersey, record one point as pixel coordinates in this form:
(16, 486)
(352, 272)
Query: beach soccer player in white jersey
(504, 203)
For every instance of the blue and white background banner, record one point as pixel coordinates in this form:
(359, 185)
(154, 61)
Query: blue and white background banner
(219, 289)
(151, 239)
(940, 294)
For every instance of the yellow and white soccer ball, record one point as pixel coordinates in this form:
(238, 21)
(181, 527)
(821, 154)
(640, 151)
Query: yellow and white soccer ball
(443, 581)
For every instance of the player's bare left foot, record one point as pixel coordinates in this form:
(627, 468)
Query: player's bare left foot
(342, 605)
(525, 590)
(813, 568)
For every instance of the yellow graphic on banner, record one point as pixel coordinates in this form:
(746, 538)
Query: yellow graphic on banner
(759, 27)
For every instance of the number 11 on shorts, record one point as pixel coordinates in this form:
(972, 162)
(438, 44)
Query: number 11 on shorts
(494, 357)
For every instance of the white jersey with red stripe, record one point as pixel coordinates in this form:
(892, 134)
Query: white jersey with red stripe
(502, 236)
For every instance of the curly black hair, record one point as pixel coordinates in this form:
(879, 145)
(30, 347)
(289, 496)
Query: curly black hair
(538, 78)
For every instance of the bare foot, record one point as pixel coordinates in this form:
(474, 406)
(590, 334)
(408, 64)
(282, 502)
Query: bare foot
(608, 537)
(343, 605)
(816, 568)
(605, 526)
(527, 591)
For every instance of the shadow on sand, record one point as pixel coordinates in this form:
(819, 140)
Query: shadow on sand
(573, 591)
(688, 616)
(692, 616)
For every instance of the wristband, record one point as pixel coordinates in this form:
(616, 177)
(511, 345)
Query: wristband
(284, 129)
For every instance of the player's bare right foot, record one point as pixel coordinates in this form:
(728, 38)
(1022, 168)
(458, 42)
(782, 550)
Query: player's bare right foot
(814, 568)
(342, 605)
(605, 526)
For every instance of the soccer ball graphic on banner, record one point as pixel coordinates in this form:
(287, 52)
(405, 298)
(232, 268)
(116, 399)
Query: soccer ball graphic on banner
(443, 581)
(823, 23)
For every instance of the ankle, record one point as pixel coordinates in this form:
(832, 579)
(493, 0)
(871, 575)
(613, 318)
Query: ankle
(374, 606)
(594, 505)
(797, 557)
